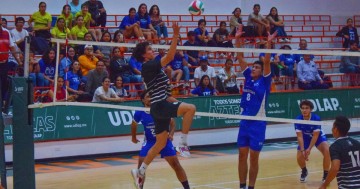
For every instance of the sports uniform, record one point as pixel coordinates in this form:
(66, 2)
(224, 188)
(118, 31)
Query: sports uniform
(150, 137)
(307, 131)
(253, 101)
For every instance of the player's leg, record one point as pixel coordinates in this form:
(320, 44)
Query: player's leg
(243, 144)
(254, 167)
(134, 172)
(170, 156)
(302, 161)
(187, 111)
(323, 147)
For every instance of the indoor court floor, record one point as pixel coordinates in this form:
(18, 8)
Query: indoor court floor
(208, 168)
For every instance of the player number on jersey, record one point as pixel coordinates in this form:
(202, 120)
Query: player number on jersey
(153, 132)
(248, 97)
(355, 158)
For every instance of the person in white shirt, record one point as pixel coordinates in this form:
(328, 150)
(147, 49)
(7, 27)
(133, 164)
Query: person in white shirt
(204, 69)
(19, 33)
(106, 94)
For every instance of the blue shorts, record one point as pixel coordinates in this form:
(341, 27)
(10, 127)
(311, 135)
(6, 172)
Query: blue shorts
(168, 150)
(307, 141)
(251, 134)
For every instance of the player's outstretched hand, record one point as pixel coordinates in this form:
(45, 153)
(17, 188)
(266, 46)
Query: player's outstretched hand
(271, 36)
(176, 29)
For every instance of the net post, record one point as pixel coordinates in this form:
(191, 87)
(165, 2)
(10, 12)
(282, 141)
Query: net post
(56, 69)
(23, 134)
(2, 147)
(27, 57)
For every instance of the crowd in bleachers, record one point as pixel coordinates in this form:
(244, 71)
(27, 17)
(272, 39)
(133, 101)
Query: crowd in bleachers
(88, 70)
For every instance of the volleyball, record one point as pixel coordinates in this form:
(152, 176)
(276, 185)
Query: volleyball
(196, 8)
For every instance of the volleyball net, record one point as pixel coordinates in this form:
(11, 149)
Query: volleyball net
(337, 94)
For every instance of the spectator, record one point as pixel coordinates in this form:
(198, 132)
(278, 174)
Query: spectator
(120, 66)
(144, 20)
(193, 55)
(235, 21)
(96, 33)
(61, 93)
(79, 30)
(42, 22)
(19, 33)
(277, 24)
(73, 79)
(95, 77)
(227, 79)
(326, 79)
(60, 31)
(308, 75)
(202, 35)
(204, 88)
(349, 33)
(130, 27)
(119, 38)
(75, 6)
(302, 46)
(221, 36)
(258, 22)
(34, 71)
(88, 37)
(274, 64)
(4, 23)
(98, 13)
(351, 64)
(119, 88)
(179, 66)
(162, 53)
(87, 60)
(106, 50)
(287, 62)
(157, 22)
(204, 69)
(68, 17)
(47, 67)
(68, 59)
(106, 94)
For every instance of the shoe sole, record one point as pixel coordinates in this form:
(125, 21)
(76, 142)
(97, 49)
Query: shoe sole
(134, 175)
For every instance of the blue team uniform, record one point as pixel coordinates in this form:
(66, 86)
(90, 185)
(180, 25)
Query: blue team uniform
(150, 138)
(203, 92)
(253, 102)
(307, 131)
(127, 21)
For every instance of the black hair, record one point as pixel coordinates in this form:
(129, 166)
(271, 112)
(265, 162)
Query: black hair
(203, 86)
(275, 17)
(146, 13)
(18, 19)
(222, 22)
(106, 77)
(79, 73)
(190, 33)
(140, 50)
(89, 33)
(151, 11)
(58, 20)
(260, 63)
(84, 5)
(142, 96)
(62, 12)
(132, 9)
(342, 124)
(42, 2)
(46, 56)
(256, 5)
(115, 34)
(105, 32)
(99, 61)
(201, 21)
(4, 20)
(306, 103)
(347, 20)
(237, 8)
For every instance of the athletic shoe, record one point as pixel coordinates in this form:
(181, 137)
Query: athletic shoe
(303, 176)
(138, 178)
(184, 151)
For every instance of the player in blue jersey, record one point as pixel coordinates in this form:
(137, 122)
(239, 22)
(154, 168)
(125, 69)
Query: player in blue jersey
(168, 152)
(253, 101)
(309, 136)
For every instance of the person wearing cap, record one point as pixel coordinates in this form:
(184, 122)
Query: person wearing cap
(204, 69)
(88, 60)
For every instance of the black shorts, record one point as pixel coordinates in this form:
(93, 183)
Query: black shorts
(162, 113)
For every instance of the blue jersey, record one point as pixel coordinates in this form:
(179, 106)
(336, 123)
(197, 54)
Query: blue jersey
(144, 21)
(307, 130)
(135, 64)
(148, 122)
(300, 57)
(203, 92)
(127, 21)
(198, 31)
(288, 59)
(255, 94)
(47, 69)
(177, 62)
(74, 80)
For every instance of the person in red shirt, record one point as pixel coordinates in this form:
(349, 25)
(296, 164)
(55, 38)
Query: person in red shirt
(7, 45)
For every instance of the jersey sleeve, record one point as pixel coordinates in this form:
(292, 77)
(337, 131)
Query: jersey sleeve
(297, 126)
(196, 91)
(137, 116)
(335, 151)
(317, 127)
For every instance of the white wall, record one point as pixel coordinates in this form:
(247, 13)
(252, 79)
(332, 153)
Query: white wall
(336, 8)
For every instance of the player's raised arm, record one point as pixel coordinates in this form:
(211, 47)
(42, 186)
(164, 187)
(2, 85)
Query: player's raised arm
(240, 55)
(171, 53)
(267, 68)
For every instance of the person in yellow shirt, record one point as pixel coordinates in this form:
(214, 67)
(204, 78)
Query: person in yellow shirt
(68, 17)
(79, 30)
(87, 60)
(42, 22)
(87, 20)
(60, 31)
